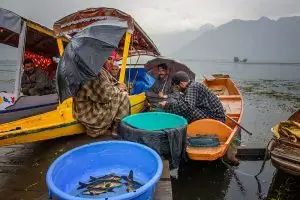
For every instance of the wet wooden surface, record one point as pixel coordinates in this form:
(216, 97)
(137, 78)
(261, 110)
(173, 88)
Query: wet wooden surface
(164, 186)
(23, 168)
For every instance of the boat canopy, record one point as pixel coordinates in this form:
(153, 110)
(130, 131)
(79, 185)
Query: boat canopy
(39, 39)
(141, 44)
(33, 41)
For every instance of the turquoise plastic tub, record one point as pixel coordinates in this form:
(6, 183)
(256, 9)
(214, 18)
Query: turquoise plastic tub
(101, 158)
(154, 121)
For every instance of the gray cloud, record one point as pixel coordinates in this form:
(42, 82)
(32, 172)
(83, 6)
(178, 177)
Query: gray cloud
(160, 16)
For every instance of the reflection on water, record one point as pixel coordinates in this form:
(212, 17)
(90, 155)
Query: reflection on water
(201, 180)
(215, 180)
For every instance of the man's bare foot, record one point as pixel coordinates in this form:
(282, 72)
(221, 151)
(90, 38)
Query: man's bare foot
(115, 135)
(233, 161)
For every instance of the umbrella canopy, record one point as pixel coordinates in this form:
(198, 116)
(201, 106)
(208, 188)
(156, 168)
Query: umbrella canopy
(86, 53)
(173, 66)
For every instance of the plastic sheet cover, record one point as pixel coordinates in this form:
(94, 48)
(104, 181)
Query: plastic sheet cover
(10, 21)
(85, 55)
(168, 143)
(140, 79)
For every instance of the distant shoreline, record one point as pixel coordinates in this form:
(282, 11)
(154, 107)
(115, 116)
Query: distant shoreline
(244, 63)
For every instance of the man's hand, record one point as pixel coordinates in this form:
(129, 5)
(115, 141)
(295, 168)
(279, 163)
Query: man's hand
(161, 95)
(162, 104)
(122, 86)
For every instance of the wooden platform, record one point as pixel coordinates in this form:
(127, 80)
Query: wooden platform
(23, 168)
(164, 187)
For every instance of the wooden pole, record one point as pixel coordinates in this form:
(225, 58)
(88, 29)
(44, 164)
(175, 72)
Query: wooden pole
(60, 46)
(238, 125)
(124, 58)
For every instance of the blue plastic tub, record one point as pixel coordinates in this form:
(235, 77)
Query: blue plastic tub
(102, 158)
(154, 121)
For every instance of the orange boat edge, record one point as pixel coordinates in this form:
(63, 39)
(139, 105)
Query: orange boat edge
(232, 101)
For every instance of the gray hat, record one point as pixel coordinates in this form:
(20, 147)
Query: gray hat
(180, 76)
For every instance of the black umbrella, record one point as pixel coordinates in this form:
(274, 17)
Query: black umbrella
(173, 66)
(86, 53)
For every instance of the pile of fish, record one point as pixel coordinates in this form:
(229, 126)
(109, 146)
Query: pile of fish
(107, 183)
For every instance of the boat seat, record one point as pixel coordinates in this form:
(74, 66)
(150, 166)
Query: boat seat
(208, 126)
(233, 97)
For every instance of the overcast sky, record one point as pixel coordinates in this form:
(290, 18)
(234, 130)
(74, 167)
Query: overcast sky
(160, 16)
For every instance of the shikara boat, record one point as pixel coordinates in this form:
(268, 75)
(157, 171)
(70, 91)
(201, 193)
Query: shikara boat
(232, 101)
(30, 39)
(60, 122)
(284, 148)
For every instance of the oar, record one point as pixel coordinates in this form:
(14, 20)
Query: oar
(238, 124)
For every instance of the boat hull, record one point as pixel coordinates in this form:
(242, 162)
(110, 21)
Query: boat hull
(283, 152)
(285, 155)
(53, 124)
(27, 106)
(226, 132)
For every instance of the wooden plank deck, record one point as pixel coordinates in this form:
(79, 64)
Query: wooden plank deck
(164, 186)
(23, 168)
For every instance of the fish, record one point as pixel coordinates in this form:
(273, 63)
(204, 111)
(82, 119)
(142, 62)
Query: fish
(130, 183)
(99, 185)
(97, 191)
(110, 177)
(129, 177)
(130, 187)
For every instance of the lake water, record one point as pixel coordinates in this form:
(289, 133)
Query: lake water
(271, 94)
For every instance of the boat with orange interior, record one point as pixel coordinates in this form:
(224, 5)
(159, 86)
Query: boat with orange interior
(232, 101)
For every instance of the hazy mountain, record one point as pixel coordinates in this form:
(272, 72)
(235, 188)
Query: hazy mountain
(172, 42)
(258, 40)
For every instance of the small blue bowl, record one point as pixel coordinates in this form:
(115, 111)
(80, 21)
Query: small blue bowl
(101, 158)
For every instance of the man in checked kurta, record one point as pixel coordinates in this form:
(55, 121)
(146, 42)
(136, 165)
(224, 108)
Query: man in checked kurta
(101, 103)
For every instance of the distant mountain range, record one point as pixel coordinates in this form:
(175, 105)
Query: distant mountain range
(172, 42)
(262, 40)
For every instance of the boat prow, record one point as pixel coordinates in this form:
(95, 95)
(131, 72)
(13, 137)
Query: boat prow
(232, 101)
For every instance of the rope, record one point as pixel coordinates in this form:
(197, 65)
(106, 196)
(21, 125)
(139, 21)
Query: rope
(260, 171)
(134, 79)
(264, 162)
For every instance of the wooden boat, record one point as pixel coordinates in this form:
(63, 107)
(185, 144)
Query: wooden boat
(60, 122)
(284, 152)
(31, 39)
(232, 101)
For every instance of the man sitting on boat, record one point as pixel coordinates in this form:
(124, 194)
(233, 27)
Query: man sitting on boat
(197, 102)
(35, 81)
(101, 103)
(161, 87)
